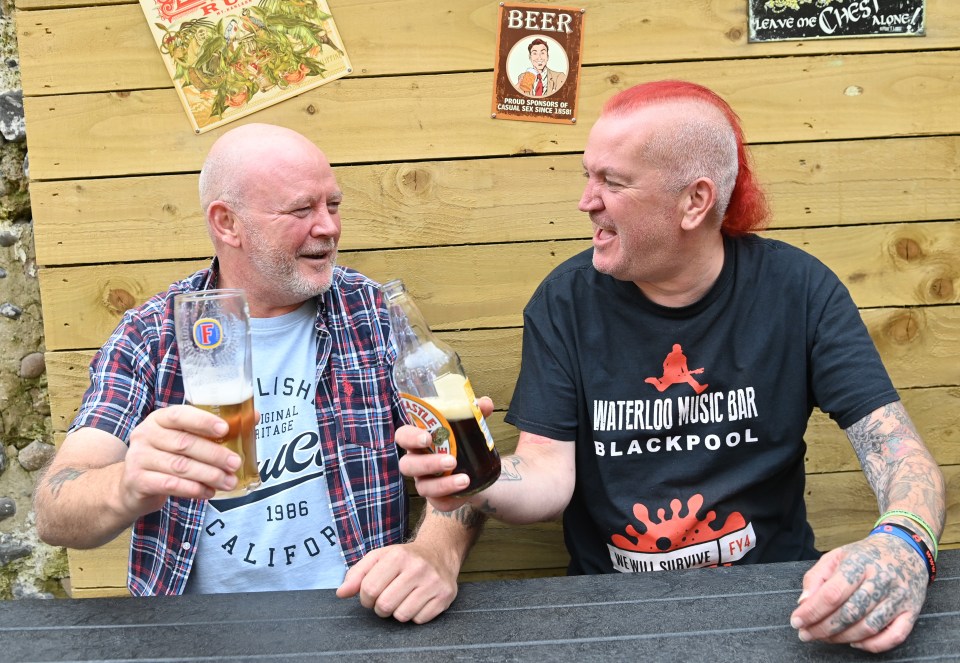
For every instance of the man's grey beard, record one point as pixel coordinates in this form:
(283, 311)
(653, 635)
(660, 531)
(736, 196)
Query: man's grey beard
(282, 269)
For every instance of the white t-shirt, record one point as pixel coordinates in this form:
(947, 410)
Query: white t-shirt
(281, 535)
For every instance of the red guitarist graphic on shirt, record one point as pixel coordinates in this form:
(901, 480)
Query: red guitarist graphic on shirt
(675, 371)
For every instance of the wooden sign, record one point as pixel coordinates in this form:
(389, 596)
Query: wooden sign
(782, 20)
(229, 58)
(537, 72)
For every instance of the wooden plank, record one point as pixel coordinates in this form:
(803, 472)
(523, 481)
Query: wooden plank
(491, 358)
(68, 51)
(501, 549)
(84, 304)
(882, 265)
(913, 263)
(934, 410)
(440, 117)
(842, 508)
(28, 5)
(920, 347)
(386, 206)
(100, 571)
(495, 200)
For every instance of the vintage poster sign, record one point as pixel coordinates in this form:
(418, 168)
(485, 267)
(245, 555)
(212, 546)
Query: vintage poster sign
(229, 58)
(537, 72)
(782, 20)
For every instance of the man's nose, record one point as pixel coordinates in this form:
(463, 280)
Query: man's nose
(589, 201)
(324, 224)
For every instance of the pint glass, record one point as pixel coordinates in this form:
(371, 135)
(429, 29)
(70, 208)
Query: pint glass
(213, 337)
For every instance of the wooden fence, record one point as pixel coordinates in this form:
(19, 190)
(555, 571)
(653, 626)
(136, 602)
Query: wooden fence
(856, 140)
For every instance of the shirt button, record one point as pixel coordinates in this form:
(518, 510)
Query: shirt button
(185, 545)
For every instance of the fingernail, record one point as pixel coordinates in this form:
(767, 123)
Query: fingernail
(803, 595)
(221, 428)
(449, 462)
(796, 622)
(804, 636)
(426, 440)
(462, 480)
(233, 461)
(856, 645)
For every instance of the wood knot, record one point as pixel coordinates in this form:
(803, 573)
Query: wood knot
(902, 328)
(311, 109)
(415, 181)
(613, 79)
(941, 289)
(119, 301)
(908, 249)
(170, 209)
(734, 34)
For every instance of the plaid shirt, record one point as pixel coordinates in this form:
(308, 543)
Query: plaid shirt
(358, 410)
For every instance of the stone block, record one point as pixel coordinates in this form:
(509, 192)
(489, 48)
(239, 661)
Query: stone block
(12, 124)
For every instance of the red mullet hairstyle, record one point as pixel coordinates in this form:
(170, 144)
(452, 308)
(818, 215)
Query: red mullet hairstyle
(747, 211)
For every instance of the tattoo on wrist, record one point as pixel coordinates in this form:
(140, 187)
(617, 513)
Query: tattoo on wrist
(66, 474)
(466, 515)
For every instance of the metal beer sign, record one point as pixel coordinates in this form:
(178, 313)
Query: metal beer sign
(782, 20)
(537, 72)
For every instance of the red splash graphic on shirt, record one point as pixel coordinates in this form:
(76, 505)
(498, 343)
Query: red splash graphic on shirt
(676, 531)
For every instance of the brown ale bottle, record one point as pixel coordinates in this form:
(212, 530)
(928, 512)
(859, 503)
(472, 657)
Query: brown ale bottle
(436, 393)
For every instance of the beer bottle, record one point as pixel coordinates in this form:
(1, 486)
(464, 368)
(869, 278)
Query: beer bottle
(436, 393)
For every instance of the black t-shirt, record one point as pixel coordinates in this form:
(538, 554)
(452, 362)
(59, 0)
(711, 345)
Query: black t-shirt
(689, 422)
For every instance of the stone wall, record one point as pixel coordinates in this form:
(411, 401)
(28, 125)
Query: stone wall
(28, 567)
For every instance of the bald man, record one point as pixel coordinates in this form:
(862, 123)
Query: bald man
(331, 510)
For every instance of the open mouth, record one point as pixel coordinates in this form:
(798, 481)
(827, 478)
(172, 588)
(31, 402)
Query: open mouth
(320, 254)
(603, 235)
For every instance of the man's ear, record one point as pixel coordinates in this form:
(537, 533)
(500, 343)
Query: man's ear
(223, 223)
(698, 202)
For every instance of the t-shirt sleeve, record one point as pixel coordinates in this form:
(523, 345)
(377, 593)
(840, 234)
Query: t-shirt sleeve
(848, 378)
(545, 400)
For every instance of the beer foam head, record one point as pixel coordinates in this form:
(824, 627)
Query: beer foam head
(219, 393)
(452, 399)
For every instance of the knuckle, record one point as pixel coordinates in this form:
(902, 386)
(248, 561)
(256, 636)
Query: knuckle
(180, 465)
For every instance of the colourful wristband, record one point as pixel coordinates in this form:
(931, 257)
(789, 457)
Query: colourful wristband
(918, 520)
(914, 540)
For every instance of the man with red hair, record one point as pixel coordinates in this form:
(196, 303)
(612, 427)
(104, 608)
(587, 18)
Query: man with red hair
(655, 471)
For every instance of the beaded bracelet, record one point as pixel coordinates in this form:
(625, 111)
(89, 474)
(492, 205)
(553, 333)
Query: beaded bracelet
(916, 542)
(918, 520)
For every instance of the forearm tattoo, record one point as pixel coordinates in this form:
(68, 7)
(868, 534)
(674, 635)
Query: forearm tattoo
(66, 474)
(466, 515)
(508, 469)
(896, 465)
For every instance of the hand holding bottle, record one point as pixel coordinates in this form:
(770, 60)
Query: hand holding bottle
(438, 398)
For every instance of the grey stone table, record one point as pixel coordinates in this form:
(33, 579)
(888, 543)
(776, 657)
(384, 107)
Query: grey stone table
(727, 614)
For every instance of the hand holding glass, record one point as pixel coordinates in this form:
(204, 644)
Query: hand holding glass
(213, 337)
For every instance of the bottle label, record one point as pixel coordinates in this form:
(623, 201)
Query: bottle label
(425, 416)
(467, 387)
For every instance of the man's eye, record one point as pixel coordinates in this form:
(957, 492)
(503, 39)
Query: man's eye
(333, 208)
